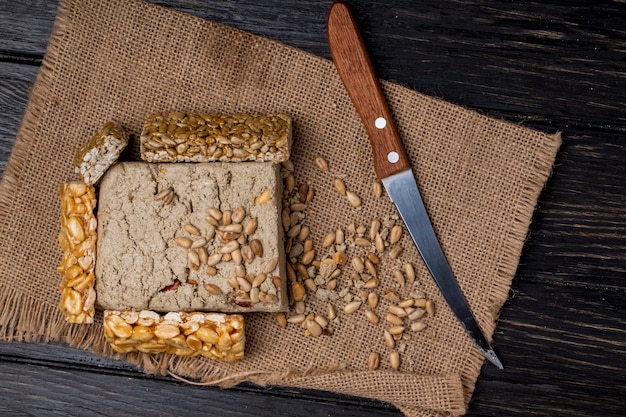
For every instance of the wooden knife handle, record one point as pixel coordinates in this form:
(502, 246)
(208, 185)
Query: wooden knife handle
(357, 74)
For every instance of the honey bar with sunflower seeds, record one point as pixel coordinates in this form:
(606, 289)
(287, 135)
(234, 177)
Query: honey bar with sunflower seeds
(100, 152)
(185, 137)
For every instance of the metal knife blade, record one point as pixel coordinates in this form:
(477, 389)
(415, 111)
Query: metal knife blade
(404, 193)
(391, 163)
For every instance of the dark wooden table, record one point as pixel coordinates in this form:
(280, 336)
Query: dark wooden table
(552, 66)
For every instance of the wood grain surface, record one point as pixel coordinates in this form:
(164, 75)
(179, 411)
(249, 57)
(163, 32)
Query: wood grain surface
(552, 66)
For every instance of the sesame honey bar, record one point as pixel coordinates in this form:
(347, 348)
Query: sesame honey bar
(183, 137)
(78, 240)
(212, 335)
(100, 152)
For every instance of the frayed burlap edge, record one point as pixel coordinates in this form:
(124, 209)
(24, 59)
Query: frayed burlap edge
(27, 320)
(512, 250)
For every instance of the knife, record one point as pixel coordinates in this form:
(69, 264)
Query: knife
(391, 163)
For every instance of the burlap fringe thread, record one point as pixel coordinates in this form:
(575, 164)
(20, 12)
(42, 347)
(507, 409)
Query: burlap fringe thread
(28, 320)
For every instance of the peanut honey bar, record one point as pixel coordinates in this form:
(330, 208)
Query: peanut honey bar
(212, 335)
(78, 240)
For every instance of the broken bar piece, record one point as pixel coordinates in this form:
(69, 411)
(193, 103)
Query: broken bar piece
(100, 152)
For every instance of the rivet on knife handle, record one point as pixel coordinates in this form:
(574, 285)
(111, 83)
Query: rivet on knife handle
(365, 91)
(392, 165)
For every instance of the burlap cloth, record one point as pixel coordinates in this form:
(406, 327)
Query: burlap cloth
(122, 60)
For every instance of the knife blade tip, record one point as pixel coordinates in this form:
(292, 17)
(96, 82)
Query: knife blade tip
(493, 358)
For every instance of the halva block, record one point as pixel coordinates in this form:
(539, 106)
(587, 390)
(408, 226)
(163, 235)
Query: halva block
(191, 237)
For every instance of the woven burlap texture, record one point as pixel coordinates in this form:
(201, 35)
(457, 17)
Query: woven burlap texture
(122, 60)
